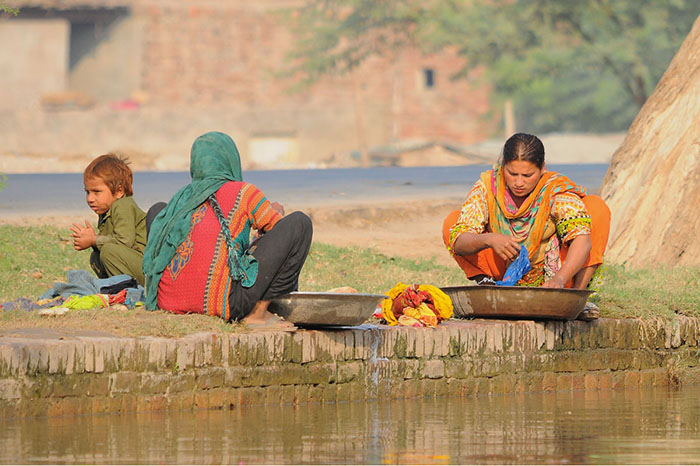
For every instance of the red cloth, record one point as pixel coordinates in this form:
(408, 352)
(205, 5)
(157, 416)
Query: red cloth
(118, 298)
(197, 279)
(412, 297)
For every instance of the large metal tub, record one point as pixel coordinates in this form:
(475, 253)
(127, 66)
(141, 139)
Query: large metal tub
(322, 309)
(517, 302)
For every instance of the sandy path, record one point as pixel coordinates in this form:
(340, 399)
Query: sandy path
(407, 230)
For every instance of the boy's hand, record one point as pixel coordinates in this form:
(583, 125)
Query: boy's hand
(83, 237)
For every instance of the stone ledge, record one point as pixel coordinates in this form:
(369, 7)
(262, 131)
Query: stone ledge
(461, 357)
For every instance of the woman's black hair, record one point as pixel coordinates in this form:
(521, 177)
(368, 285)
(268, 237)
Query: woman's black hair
(526, 147)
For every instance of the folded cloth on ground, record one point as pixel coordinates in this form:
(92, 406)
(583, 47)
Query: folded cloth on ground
(416, 306)
(98, 301)
(127, 298)
(84, 283)
(27, 304)
(118, 298)
(95, 301)
(122, 285)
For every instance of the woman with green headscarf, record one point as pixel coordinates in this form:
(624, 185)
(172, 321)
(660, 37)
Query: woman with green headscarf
(198, 258)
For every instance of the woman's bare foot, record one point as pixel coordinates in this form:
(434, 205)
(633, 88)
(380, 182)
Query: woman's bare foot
(262, 319)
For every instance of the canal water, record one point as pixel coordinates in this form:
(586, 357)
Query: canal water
(596, 427)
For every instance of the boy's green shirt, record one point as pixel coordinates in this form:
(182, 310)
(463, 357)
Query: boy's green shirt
(124, 223)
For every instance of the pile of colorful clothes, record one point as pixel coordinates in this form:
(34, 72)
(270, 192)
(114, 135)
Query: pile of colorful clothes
(84, 291)
(416, 306)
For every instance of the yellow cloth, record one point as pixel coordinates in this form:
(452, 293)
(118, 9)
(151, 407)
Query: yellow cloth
(421, 315)
(93, 301)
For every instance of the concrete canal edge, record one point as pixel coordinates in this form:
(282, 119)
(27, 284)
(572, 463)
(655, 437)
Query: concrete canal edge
(89, 375)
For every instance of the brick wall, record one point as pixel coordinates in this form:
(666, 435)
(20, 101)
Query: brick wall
(229, 53)
(82, 375)
(221, 60)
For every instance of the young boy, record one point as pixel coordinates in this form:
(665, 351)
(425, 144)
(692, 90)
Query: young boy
(121, 237)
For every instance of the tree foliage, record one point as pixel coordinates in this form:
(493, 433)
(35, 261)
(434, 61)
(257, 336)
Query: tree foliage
(567, 64)
(6, 9)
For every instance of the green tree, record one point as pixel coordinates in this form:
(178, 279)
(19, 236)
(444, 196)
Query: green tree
(6, 9)
(586, 65)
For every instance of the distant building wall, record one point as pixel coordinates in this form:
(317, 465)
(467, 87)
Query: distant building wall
(106, 57)
(221, 60)
(33, 60)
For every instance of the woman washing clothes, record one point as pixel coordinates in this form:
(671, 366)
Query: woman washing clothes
(519, 203)
(198, 258)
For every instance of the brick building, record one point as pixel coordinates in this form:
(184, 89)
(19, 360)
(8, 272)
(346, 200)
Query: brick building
(148, 76)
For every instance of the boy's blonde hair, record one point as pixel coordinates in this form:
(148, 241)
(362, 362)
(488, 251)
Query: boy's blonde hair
(113, 170)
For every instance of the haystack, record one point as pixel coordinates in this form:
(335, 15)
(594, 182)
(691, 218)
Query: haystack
(653, 184)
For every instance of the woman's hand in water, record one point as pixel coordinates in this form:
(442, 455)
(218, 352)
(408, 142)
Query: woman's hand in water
(504, 246)
(554, 282)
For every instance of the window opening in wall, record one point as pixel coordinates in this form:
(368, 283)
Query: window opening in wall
(428, 78)
(89, 27)
(83, 40)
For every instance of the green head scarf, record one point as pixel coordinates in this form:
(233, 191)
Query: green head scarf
(214, 160)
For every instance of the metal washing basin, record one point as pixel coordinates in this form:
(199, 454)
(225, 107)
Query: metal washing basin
(308, 308)
(517, 302)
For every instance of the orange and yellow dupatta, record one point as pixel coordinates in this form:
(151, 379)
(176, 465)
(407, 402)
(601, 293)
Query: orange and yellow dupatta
(526, 223)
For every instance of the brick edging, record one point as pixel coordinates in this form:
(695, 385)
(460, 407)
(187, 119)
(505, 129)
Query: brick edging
(463, 358)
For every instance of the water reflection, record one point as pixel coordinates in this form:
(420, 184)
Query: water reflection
(578, 427)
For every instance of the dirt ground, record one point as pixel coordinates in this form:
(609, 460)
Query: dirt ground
(413, 231)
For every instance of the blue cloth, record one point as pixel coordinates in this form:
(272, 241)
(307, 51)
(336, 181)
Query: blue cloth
(84, 283)
(134, 295)
(517, 269)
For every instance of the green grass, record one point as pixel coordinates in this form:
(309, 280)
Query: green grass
(369, 272)
(660, 292)
(32, 258)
